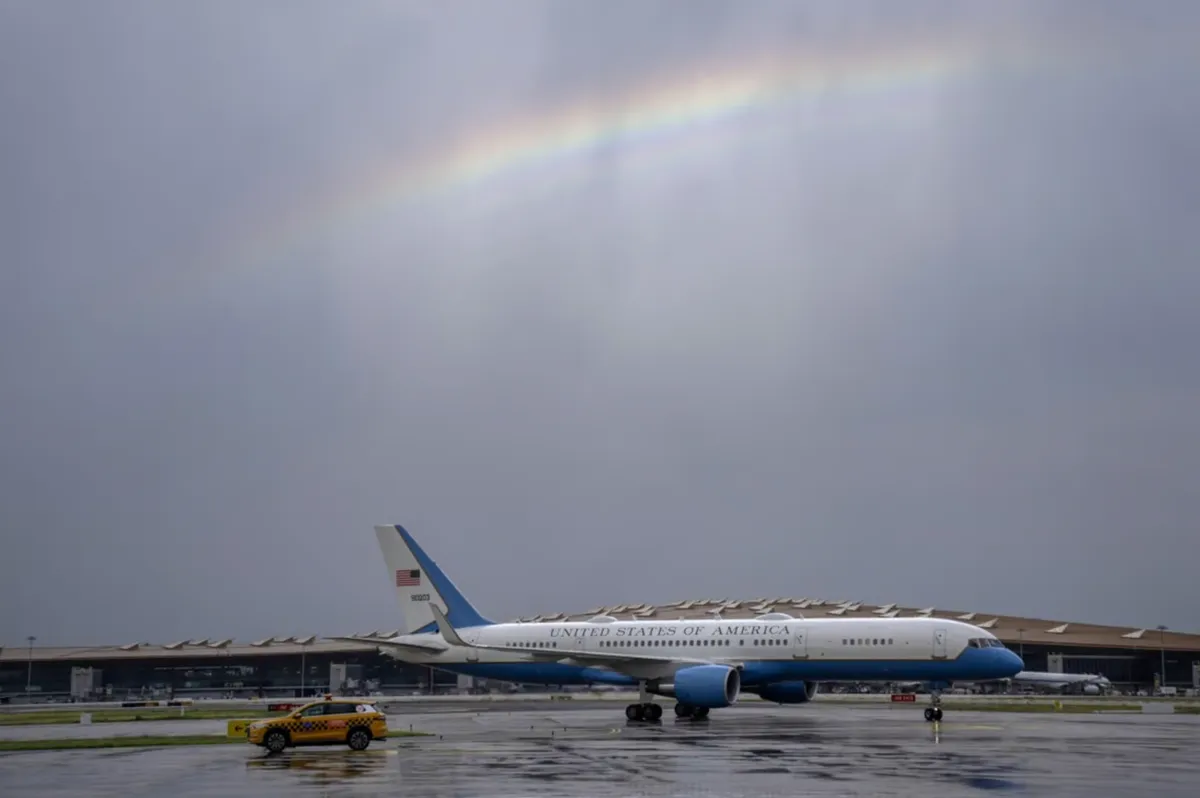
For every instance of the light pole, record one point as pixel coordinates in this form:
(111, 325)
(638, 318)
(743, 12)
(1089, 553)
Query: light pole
(29, 673)
(303, 650)
(1021, 642)
(1162, 648)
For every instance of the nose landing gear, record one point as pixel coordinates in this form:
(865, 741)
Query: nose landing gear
(933, 712)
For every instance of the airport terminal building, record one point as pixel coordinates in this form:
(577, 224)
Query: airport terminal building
(289, 666)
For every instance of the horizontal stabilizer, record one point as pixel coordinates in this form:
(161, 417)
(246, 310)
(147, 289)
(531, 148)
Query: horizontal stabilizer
(429, 647)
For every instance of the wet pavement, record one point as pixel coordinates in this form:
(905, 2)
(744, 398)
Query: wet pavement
(746, 751)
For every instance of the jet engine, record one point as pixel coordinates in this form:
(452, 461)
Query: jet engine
(787, 692)
(1090, 689)
(711, 686)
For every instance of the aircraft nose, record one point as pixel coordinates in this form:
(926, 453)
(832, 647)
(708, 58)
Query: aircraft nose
(1013, 662)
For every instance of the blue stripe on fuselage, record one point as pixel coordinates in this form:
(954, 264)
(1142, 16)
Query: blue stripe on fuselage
(539, 673)
(972, 665)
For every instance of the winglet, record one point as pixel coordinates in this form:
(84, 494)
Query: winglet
(444, 626)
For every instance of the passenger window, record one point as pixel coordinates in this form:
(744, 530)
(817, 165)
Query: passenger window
(314, 710)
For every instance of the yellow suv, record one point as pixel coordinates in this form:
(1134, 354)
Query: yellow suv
(329, 722)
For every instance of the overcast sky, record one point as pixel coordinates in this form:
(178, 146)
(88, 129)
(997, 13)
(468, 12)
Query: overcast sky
(925, 332)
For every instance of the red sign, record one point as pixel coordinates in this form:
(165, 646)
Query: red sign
(281, 707)
(904, 697)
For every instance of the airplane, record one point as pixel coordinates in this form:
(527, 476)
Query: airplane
(1082, 683)
(702, 664)
(1044, 681)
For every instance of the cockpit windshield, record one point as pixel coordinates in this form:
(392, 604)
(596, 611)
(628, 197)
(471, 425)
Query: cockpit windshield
(984, 642)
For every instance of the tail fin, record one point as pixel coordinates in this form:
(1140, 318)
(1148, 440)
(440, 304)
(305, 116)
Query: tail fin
(418, 581)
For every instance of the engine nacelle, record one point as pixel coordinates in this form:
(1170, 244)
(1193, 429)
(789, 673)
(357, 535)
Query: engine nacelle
(787, 692)
(1090, 689)
(711, 686)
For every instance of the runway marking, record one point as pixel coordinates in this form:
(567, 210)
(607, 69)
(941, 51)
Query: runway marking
(980, 728)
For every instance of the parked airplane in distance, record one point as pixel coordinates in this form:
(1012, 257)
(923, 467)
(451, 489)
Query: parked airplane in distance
(1043, 681)
(702, 664)
(1084, 683)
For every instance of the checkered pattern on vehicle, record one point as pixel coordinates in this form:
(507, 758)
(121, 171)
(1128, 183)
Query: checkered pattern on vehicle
(319, 724)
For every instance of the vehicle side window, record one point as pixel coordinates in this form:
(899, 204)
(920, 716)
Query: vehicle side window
(340, 709)
(314, 710)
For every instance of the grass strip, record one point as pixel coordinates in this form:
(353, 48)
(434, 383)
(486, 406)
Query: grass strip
(1081, 707)
(116, 742)
(147, 741)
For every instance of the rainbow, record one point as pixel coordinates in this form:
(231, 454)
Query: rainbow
(673, 105)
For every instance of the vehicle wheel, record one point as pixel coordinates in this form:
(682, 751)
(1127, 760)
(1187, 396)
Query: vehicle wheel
(358, 739)
(275, 741)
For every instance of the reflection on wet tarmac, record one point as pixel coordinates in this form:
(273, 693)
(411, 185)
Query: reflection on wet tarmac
(756, 751)
(323, 767)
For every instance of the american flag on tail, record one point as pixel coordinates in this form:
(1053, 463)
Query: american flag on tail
(408, 578)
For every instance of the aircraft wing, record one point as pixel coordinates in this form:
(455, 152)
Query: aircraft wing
(431, 648)
(623, 662)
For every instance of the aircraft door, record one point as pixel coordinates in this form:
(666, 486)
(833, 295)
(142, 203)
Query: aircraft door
(939, 643)
(799, 644)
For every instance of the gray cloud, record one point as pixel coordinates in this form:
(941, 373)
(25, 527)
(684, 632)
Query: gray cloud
(929, 343)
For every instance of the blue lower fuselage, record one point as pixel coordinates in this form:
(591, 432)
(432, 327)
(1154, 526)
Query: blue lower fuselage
(972, 665)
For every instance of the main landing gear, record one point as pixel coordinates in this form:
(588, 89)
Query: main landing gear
(689, 711)
(933, 712)
(652, 712)
(646, 711)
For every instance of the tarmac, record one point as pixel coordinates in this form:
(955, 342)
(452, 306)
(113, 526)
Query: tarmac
(556, 749)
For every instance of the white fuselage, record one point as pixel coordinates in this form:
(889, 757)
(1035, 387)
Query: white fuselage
(733, 640)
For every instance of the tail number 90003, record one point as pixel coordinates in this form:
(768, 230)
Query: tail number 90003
(419, 597)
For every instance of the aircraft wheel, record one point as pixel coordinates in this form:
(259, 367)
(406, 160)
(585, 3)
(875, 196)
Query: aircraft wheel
(937, 713)
(652, 711)
(634, 712)
(683, 711)
(700, 713)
